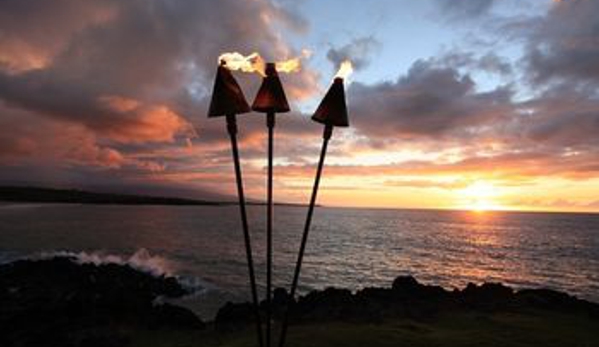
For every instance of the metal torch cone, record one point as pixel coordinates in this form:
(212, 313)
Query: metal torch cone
(331, 112)
(228, 100)
(270, 100)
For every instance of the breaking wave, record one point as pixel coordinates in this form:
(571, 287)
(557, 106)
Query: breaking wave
(141, 260)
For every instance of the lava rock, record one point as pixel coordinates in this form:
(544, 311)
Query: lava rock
(50, 301)
(488, 296)
(171, 316)
(407, 298)
(232, 317)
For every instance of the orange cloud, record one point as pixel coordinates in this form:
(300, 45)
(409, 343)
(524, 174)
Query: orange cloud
(145, 123)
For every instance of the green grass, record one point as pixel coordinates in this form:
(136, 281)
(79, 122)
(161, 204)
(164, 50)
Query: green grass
(535, 328)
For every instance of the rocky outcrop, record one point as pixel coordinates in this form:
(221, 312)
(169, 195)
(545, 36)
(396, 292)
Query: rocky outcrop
(407, 298)
(58, 302)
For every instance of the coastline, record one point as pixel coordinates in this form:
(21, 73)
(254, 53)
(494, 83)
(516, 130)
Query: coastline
(59, 300)
(41, 195)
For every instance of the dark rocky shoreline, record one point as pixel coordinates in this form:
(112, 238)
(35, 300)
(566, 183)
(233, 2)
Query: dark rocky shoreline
(407, 298)
(59, 302)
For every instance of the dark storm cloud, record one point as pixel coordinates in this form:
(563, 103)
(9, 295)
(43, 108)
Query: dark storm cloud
(565, 43)
(359, 51)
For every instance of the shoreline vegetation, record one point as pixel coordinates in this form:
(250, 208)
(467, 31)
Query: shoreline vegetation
(61, 302)
(11, 194)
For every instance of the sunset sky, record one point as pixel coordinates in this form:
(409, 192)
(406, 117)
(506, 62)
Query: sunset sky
(462, 104)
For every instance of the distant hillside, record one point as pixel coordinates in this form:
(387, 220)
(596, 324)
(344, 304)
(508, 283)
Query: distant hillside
(76, 196)
(50, 195)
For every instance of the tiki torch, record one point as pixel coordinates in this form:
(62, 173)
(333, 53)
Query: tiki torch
(331, 112)
(270, 100)
(228, 100)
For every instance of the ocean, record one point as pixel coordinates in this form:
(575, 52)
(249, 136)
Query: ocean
(349, 248)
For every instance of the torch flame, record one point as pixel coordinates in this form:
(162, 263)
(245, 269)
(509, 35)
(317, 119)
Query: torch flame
(255, 63)
(236, 61)
(345, 69)
(288, 66)
(293, 64)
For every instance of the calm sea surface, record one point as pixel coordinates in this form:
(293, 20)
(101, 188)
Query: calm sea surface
(350, 248)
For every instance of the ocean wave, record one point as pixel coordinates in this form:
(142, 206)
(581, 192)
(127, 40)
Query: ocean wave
(8, 257)
(141, 260)
(195, 286)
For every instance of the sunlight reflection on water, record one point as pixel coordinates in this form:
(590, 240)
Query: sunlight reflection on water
(350, 248)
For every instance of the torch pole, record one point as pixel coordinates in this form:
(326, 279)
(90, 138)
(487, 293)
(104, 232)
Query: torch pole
(270, 123)
(328, 132)
(232, 130)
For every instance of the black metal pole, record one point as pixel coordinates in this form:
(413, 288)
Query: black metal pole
(232, 130)
(270, 123)
(328, 132)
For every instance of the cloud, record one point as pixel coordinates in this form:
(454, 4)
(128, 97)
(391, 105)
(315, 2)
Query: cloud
(124, 84)
(423, 183)
(489, 62)
(117, 91)
(560, 203)
(436, 109)
(564, 118)
(33, 32)
(44, 142)
(359, 51)
(564, 44)
(114, 117)
(507, 167)
(430, 101)
(464, 9)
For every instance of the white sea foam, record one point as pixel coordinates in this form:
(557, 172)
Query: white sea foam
(141, 260)
(8, 257)
(195, 286)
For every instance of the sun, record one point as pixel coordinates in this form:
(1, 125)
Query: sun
(480, 196)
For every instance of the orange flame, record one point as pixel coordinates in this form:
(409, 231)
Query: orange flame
(293, 64)
(236, 61)
(345, 70)
(255, 63)
(288, 66)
